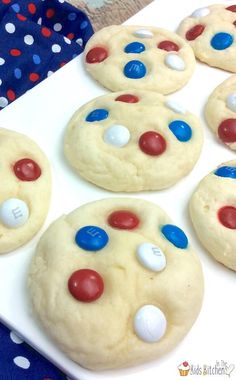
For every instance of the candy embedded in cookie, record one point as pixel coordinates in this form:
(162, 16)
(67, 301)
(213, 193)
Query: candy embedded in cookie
(144, 58)
(213, 213)
(220, 112)
(120, 267)
(211, 33)
(135, 140)
(25, 189)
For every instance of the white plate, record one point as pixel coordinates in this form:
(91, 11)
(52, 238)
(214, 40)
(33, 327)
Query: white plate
(43, 114)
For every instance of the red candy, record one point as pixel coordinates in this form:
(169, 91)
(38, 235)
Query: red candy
(27, 170)
(231, 8)
(96, 55)
(86, 285)
(234, 23)
(127, 98)
(227, 131)
(123, 220)
(152, 143)
(194, 32)
(227, 217)
(168, 46)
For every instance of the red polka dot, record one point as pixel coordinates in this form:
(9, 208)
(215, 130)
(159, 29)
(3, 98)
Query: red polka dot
(70, 36)
(6, 1)
(96, 55)
(231, 8)
(46, 32)
(33, 77)
(227, 131)
(27, 170)
(15, 52)
(11, 95)
(194, 32)
(50, 13)
(32, 8)
(63, 64)
(127, 98)
(152, 143)
(86, 285)
(123, 220)
(21, 17)
(168, 46)
(227, 217)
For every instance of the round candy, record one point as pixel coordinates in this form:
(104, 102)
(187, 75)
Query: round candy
(194, 32)
(168, 46)
(200, 12)
(175, 62)
(221, 41)
(135, 69)
(96, 55)
(174, 106)
(150, 323)
(227, 217)
(97, 115)
(127, 98)
(14, 213)
(117, 135)
(231, 102)
(27, 170)
(86, 285)
(123, 220)
(151, 257)
(152, 143)
(181, 130)
(91, 238)
(226, 172)
(175, 236)
(143, 33)
(231, 8)
(134, 47)
(227, 131)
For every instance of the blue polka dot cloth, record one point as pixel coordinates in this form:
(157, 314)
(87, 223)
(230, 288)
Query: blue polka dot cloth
(18, 361)
(37, 38)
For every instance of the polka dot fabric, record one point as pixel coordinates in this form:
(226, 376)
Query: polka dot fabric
(37, 38)
(20, 361)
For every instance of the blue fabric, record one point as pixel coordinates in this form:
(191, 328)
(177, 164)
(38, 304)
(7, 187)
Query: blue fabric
(37, 38)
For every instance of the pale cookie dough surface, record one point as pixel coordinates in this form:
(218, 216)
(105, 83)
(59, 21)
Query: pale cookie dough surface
(157, 59)
(28, 183)
(220, 112)
(213, 213)
(107, 333)
(93, 148)
(211, 33)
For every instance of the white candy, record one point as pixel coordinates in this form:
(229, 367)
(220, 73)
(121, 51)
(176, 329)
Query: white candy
(175, 62)
(200, 12)
(231, 101)
(14, 213)
(174, 106)
(150, 323)
(143, 33)
(117, 135)
(151, 257)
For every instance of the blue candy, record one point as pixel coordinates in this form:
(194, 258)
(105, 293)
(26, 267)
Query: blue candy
(221, 41)
(97, 115)
(175, 235)
(135, 69)
(181, 130)
(134, 47)
(226, 171)
(91, 238)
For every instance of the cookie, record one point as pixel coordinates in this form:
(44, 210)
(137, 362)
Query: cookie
(211, 33)
(133, 141)
(115, 283)
(25, 189)
(213, 213)
(121, 57)
(220, 112)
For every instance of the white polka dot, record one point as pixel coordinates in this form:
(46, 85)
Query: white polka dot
(39, 22)
(10, 28)
(0, 82)
(15, 338)
(49, 73)
(79, 41)
(67, 40)
(2, 61)
(28, 39)
(3, 102)
(61, 1)
(57, 27)
(21, 362)
(56, 48)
